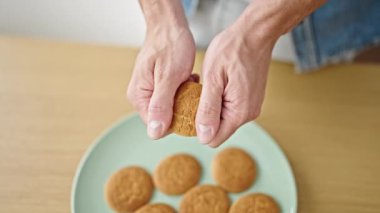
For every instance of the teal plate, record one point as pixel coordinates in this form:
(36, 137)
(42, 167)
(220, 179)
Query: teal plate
(126, 143)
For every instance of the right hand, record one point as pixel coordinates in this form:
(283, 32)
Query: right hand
(164, 62)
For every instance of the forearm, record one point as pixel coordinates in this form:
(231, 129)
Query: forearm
(163, 13)
(269, 19)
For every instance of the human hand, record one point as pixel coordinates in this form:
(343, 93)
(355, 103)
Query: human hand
(164, 62)
(236, 66)
(234, 77)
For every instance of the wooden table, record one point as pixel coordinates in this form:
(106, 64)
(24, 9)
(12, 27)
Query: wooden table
(55, 99)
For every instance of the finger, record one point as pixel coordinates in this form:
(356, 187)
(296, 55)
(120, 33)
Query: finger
(225, 131)
(140, 88)
(209, 109)
(160, 111)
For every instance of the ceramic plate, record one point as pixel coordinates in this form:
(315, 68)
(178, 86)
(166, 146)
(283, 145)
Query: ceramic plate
(126, 143)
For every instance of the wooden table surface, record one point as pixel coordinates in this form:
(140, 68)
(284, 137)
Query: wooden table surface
(56, 98)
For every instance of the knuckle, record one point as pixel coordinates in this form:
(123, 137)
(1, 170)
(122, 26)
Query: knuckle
(238, 118)
(255, 113)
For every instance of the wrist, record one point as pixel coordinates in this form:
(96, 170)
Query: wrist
(267, 20)
(163, 14)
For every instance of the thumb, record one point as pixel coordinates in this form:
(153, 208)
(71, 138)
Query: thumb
(208, 113)
(160, 110)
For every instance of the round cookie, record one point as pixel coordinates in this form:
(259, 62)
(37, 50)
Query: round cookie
(156, 208)
(234, 169)
(128, 189)
(185, 109)
(205, 198)
(255, 203)
(177, 173)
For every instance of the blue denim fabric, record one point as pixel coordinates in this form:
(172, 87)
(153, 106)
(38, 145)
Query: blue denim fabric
(336, 32)
(189, 6)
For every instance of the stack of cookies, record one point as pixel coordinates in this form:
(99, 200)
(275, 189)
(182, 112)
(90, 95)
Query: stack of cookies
(234, 171)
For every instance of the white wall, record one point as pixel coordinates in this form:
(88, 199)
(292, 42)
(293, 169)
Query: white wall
(104, 21)
(93, 21)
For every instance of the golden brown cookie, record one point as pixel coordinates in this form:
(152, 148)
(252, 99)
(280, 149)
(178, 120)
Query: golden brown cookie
(255, 203)
(185, 109)
(205, 198)
(128, 189)
(234, 169)
(156, 208)
(177, 173)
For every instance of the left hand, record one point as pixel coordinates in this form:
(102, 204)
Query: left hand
(236, 66)
(234, 78)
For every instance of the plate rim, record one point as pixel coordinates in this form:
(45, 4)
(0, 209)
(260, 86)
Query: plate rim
(282, 153)
(89, 150)
(131, 115)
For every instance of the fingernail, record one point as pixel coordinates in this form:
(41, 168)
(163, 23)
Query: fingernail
(204, 133)
(154, 129)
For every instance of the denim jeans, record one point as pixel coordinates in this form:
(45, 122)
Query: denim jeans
(334, 33)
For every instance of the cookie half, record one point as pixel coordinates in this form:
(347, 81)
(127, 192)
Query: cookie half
(185, 109)
(156, 208)
(177, 173)
(128, 189)
(255, 203)
(234, 169)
